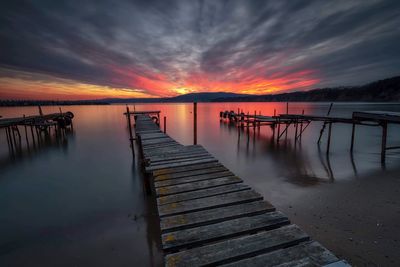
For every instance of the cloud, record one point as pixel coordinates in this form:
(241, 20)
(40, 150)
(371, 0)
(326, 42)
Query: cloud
(163, 48)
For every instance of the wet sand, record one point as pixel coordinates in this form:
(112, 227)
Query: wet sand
(357, 220)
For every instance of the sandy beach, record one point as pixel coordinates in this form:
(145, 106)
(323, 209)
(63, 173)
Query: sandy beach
(358, 220)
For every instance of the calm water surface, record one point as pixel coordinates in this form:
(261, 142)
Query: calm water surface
(80, 202)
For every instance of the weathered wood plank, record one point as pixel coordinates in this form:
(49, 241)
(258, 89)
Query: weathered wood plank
(306, 254)
(167, 157)
(204, 217)
(173, 165)
(193, 178)
(181, 160)
(193, 186)
(227, 229)
(200, 166)
(202, 193)
(208, 202)
(157, 141)
(163, 177)
(238, 248)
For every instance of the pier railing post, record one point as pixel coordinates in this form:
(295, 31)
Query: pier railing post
(195, 123)
(165, 124)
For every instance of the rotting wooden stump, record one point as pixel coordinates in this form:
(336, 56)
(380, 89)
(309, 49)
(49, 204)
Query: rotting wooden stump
(209, 217)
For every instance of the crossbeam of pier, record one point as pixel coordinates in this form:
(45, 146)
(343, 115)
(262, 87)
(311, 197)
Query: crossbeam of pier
(209, 216)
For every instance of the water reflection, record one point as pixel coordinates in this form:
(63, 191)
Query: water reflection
(29, 147)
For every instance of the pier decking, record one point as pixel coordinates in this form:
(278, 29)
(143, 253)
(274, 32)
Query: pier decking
(209, 217)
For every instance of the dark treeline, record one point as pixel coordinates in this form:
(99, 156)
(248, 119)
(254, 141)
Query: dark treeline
(387, 90)
(16, 103)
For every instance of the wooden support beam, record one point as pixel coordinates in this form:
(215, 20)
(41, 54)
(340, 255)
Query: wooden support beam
(165, 124)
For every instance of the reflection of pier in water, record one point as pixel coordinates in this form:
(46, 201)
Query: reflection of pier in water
(285, 153)
(301, 122)
(29, 135)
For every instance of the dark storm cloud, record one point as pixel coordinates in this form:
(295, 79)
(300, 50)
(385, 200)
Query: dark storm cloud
(117, 43)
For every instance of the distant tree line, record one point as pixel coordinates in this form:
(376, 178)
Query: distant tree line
(16, 103)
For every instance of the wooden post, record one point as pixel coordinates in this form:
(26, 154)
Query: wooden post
(279, 130)
(254, 120)
(8, 139)
(353, 130)
(165, 124)
(195, 123)
(328, 145)
(301, 125)
(384, 137)
(33, 136)
(26, 133)
(287, 107)
(295, 133)
(130, 129)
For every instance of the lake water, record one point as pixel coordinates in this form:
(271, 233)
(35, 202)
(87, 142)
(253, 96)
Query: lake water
(80, 202)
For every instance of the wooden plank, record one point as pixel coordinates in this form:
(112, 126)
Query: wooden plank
(238, 248)
(181, 160)
(202, 193)
(157, 141)
(174, 165)
(163, 177)
(305, 254)
(193, 178)
(208, 202)
(193, 186)
(167, 157)
(227, 229)
(160, 144)
(200, 166)
(204, 217)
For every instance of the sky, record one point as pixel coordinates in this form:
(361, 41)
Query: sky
(160, 48)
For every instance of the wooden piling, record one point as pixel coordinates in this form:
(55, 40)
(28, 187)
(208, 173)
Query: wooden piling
(287, 107)
(165, 124)
(130, 130)
(26, 134)
(328, 145)
(384, 137)
(195, 123)
(353, 129)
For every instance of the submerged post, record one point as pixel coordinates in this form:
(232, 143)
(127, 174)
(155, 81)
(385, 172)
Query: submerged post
(130, 129)
(165, 124)
(384, 137)
(353, 129)
(328, 145)
(195, 123)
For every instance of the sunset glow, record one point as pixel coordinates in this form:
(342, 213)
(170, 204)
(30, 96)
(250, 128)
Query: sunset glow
(150, 49)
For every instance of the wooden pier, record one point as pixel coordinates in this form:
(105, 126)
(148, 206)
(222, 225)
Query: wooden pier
(33, 127)
(209, 217)
(281, 123)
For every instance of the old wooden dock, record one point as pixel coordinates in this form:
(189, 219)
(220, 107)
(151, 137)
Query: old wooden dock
(282, 122)
(42, 123)
(209, 217)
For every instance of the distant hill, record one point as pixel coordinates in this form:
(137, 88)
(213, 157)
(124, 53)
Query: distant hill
(387, 90)
(192, 97)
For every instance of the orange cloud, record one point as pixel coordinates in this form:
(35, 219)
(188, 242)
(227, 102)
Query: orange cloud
(141, 84)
